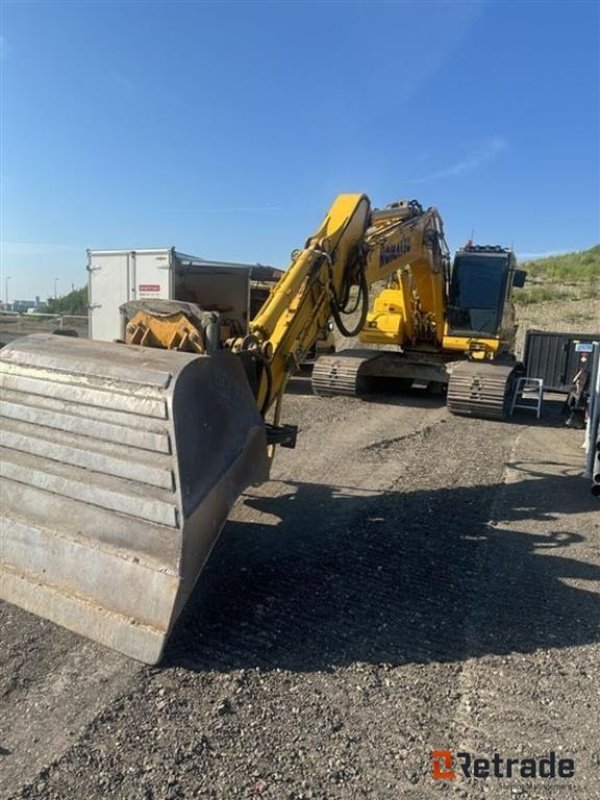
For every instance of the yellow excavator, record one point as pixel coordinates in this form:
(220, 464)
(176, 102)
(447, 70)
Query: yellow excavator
(433, 324)
(119, 462)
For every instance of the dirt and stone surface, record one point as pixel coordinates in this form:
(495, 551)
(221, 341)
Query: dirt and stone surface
(579, 316)
(407, 581)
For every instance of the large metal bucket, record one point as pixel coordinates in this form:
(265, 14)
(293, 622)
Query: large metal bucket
(119, 466)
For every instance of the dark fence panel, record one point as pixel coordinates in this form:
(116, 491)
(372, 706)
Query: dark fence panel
(552, 356)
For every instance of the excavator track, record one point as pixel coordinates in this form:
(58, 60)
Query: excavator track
(339, 373)
(483, 388)
(476, 388)
(350, 372)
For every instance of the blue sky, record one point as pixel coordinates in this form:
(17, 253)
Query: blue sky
(226, 129)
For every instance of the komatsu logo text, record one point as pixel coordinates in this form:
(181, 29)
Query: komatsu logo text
(391, 251)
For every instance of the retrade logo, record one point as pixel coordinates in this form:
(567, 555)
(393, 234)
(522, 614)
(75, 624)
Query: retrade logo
(445, 766)
(441, 762)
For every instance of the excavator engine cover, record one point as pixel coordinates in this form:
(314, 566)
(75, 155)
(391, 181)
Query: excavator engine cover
(119, 465)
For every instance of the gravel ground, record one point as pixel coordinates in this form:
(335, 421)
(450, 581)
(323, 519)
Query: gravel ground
(407, 581)
(13, 327)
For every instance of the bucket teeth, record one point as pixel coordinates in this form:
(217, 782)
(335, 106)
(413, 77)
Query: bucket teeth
(118, 468)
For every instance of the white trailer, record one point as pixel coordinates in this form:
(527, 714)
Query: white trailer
(117, 276)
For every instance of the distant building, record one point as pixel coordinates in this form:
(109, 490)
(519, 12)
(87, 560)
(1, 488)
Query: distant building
(25, 305)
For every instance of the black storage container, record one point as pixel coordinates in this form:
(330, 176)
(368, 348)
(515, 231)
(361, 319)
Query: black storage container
(552, 356)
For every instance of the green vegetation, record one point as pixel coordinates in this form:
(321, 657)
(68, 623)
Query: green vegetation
(577, 267)
(568, 277)
(74, 303)
(553, 292)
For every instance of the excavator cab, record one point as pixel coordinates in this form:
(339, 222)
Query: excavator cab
(480, 285)
(480, 316)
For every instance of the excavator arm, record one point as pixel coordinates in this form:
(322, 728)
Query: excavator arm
(318, 280)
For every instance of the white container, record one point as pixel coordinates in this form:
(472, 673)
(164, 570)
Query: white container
(116, 276)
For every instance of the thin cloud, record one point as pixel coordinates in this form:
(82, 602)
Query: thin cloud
(489, 149)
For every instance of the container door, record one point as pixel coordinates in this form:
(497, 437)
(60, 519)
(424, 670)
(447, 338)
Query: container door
(152, 275)
(553, 357)
(109, 286)
(545, 357)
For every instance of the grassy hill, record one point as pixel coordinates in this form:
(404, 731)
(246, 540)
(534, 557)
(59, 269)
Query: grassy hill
(571, 276)
(562, 293)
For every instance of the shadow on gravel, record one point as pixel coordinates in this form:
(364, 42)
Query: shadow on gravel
(391, 392)
(386, 391)
(551, 415)
(401, 577)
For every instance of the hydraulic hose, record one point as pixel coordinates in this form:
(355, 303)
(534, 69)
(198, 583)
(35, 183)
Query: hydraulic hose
(339, 307)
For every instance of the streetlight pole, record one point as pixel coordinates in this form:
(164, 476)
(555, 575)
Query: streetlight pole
(55, 282)
(6, 280)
